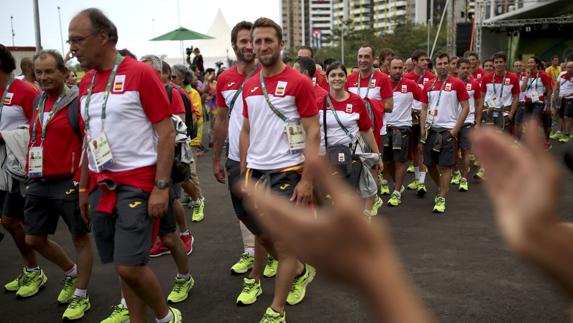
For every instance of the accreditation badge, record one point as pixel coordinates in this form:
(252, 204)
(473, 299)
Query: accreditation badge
(35, 162)
(101, 152)
(295, 136)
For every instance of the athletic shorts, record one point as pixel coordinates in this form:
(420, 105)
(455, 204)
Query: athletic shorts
(47, 201)
(416, 134)
(534, 109)
(391, 154)
(123, 237)
(233, 178)
(282, 183)
(566, 109)
(448, 150)
(464, 136)
(12, 202)
(168, 223)
(519, 113)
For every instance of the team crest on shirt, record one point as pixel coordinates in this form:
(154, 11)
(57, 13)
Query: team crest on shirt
(424, 80)
(478, 76)
(230, 84)
(8, 98)
(448, 87)
(118, 83)
(281, 88)
(349, 108)
(314, 81)
(404, 88)
(506, 82)
(372, 83)
(468, 86)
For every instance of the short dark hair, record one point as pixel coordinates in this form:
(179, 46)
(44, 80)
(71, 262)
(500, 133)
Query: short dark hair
(386, 52)
(165, 68)
(334, 66)
(126, 52)
(307, 64)
(537, 61)
(268, 23)
(101, 23)
(499, 55)
(440, 56)
(474, 54)
(327, 62)
(26, 62)
(489, 59)
(418, 53)
(555, 56)
(309, 49)
(396, 58)
(243, 25)
(60, 64)
(7, 61)
(371, 48)
(462, 61)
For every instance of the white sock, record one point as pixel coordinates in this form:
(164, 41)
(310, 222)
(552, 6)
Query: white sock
(72, 272)
(35, 269)
(422, 177)
(186, 276)
(81, 292)
(397, 193)
(123, 302)
(166, 319)
(384, 182)
(186, 233)
(250, 251)
(417, 172)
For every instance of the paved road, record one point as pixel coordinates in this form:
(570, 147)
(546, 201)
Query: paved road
(461, 268)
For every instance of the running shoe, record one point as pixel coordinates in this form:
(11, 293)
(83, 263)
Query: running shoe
(564, 139)
(199, 211)
(298, 288)
(271, 267)
(158, 250)
(464, 187)
(243, 265)
(413, 185)
(177, 317)
(456, 176)
(410, 169)
(554, 135)
(67, 291)
(395, 199)
(251, 290)
(31, 283)
(181, 289)
(14, 285)
(119, 314)
(480, 174)
(79, 305)
(377, 204)
(384, 189)
(188, 240)
(273, 317)
(421, 190)
(440, 206)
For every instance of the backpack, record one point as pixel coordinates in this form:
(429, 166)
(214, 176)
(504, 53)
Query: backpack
(191, 127)
(73, 115)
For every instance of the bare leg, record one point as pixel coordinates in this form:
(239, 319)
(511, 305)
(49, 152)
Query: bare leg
(177, 248)
(50, 250)
(445, 180)
(16, 229)
(143, 288)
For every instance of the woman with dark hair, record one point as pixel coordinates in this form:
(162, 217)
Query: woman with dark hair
(342, 116)
(537, 89)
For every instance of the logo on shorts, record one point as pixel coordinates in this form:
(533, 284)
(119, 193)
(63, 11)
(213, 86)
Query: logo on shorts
(70, 191)
(349, 108)
(118, 83)
(281, 88)
(8, 98)
(284, 186)
(135, 204)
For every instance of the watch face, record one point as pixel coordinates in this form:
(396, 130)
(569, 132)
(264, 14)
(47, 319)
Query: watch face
(161, 184)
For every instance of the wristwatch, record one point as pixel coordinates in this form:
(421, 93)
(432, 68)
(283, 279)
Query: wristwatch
(161, 184)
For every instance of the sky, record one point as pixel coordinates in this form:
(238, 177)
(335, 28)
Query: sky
(134, 20)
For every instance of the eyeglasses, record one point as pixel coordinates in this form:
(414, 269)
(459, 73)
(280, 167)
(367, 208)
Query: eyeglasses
(78, 40)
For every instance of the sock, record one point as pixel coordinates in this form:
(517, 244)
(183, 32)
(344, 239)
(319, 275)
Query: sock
(185, 276)
(35, 269)
(417, 172)
(397, 193)
(123, 302)
(72, 272)
(81, 292)
(197, 201)
(384, 182)
(422, 177)
(250, 251)
(301, 274)
(186, 233)
(166, 319)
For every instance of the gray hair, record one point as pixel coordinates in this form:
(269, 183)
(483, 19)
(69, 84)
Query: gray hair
(183, 72)
(60, 64)
(100, 22)
(155, 62)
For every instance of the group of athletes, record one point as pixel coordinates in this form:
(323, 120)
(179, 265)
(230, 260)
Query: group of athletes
(101, 155)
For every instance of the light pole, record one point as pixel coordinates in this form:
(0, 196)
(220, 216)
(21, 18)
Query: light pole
(61, 33)
(12, 25)
(37, 26)
(153, 33)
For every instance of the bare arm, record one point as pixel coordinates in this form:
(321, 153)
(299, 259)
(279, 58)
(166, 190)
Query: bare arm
(370, 140)
(465, 110)
(159, 198)
(84, 186)
(514, 102)
(244, 142)
(220, 132)
(303, 190)
(479, 111)
(423, 116)
(388, 104)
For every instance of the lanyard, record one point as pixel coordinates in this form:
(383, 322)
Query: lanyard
(420, 78)
(397, 85)
(40, 115)
(336, 117)
(10, 80)
(232, 104)
(116, 63)
(441, 88)
(266, 94)
(531, 83)
(502, 84)
(367, 86)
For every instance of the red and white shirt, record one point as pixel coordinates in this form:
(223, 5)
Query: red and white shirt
(421, 80)
(477, 74)
(539, 83)
(291, 94)
(353, 116)
(18, 105)
(137, 100)
(500, 89)
(405, 92)
(319, 79)
(176, 105)
(565, 82)
(444, 104)
(474, 92)
(522, 78)
(228, 84)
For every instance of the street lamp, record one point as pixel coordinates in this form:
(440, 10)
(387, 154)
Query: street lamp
(61, 34)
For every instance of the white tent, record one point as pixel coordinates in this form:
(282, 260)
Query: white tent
(220, 47)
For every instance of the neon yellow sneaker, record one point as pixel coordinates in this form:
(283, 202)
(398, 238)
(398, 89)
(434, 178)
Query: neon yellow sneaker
(421, 190)
(377, 204)
(177, 317)
(199, 211)
(413, 185)
(480, 174)
(67, 291)
(464, 187)
(298, 288)
(181, 290)
(271, 267)
(410, 169)
(456, 176)
(554, 135)
(395, 199)
(440, 206)
(384, 189)
(243, 265)
(31, 283)
(14, 285)
(251, 290)
(78, 307)
(119, 314)
(564, 139)
(271, 316)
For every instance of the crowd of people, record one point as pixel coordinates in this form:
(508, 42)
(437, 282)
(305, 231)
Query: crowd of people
(307, 151)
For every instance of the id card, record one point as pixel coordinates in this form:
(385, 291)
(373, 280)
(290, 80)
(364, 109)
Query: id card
(431, 115)
(295, 136)
(492, 102)
(35, 161)
(101, 152)
(534, 96)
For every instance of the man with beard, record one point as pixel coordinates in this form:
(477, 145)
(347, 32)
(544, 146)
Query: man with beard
(280, 130)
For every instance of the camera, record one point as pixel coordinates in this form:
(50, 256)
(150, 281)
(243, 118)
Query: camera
(219, 64)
